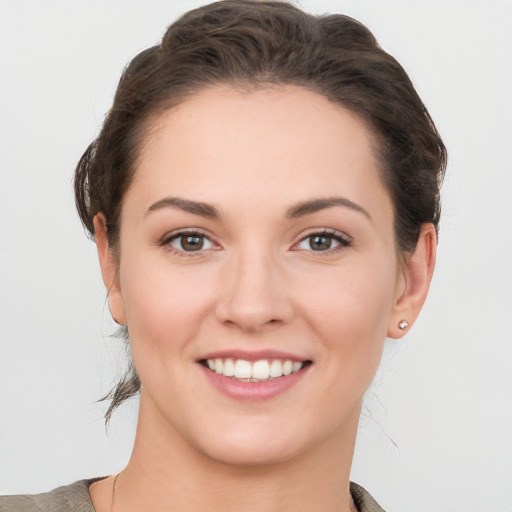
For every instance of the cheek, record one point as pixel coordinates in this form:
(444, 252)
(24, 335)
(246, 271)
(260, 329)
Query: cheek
(349, 311)
(164, 306)
(357, 298)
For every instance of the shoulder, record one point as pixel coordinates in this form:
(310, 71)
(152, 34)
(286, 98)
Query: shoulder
(363, 499)
(69, 498)
(76, 498)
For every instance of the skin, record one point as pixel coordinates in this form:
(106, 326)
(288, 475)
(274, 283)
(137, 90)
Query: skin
(257, 284)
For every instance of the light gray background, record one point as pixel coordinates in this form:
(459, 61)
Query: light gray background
(437, 430)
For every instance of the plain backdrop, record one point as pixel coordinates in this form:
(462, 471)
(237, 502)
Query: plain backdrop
(436, 431)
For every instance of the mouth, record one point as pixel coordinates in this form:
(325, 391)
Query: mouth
(262, 370)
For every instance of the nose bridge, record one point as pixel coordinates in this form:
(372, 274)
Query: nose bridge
(254, 292)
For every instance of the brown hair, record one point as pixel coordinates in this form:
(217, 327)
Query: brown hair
(257, 43)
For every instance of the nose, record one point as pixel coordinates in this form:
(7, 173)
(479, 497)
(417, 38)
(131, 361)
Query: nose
(254, 295)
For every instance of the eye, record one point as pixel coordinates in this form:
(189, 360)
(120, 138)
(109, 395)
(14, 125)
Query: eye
(323, 241)
(189, 242)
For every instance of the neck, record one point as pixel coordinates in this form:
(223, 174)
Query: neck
(166, 473)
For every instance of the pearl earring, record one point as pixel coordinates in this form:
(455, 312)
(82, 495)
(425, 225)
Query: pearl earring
(403, 324)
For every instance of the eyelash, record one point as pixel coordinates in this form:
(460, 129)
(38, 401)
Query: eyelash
(332, 234)
(166, 242)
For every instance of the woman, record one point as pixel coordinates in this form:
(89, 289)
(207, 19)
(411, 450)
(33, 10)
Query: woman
(264, 196)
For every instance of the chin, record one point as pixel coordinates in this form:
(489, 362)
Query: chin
(250, 456)
(252, 447)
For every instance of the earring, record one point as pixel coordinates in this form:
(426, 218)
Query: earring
(403, 324)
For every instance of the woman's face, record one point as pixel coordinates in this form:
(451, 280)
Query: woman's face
(256, 239)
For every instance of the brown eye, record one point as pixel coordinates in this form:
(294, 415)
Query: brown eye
(320, 242)
(190, 242)
(323, 242)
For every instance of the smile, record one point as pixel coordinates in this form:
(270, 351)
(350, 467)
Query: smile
(255, 371)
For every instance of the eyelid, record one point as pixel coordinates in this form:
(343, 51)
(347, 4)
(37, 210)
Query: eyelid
(343, 239)
(325, 231)
(177, 233)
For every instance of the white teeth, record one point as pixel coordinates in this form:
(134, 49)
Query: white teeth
(243, 369)
(258, 371)
(287, 367)
(276, 369)
(229, 368)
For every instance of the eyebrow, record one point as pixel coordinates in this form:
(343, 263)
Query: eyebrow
(298, 210)
(316, 205)
(195, 207)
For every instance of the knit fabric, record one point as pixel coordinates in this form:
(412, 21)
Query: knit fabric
(69, 498)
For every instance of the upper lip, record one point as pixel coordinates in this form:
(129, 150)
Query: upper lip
(253, 355)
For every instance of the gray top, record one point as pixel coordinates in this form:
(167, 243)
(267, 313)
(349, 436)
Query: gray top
(76, 498)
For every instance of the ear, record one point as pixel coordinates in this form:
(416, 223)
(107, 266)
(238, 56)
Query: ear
(417, 273)
(109, 271)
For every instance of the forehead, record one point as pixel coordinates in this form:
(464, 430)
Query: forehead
(282, 142)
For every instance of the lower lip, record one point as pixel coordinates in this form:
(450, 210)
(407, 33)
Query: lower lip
(263, 390)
